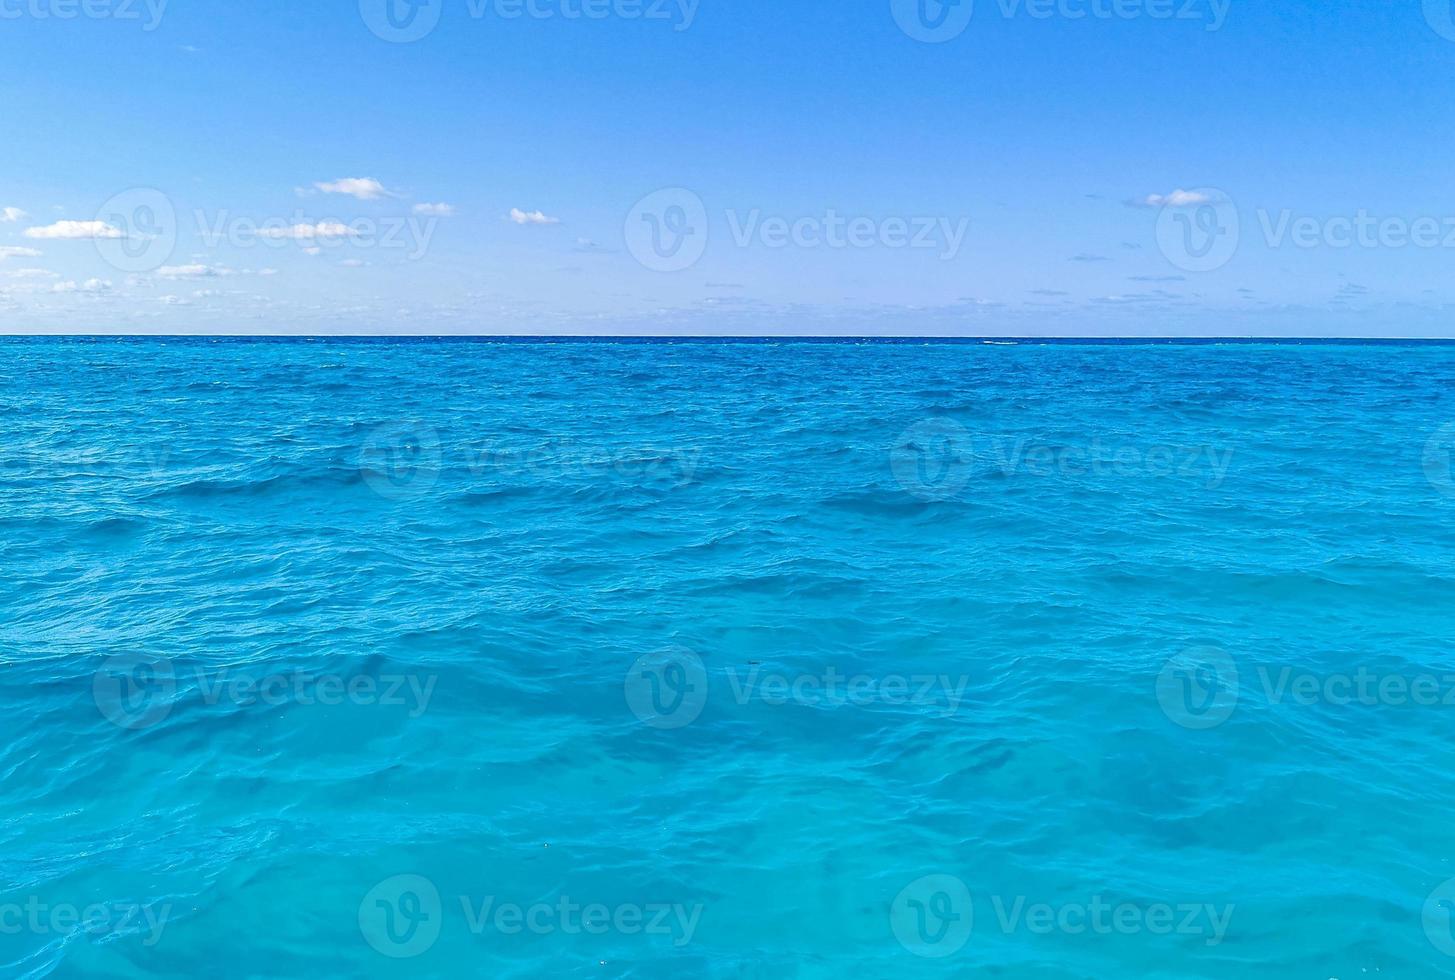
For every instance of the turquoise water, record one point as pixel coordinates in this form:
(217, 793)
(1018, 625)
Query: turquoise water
(428, 659)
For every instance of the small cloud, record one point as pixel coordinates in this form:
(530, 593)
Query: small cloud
(170, 300)
(724, 285)
(1131, 246)
(9, 215)
(532, 217)
(89, 286)
(353, 263)
(312, 250)
(33, 274)
(1049, 292)
(1177, 199)
(440, 210)
(76, 230)
(17, 252)
(190, 49)
(192, 271)
(267, 272)
(1157, 278)
(363, 188)
(1087, 257)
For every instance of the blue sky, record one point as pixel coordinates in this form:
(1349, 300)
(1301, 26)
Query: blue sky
(1062, 167)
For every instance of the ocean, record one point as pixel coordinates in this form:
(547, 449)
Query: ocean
(444, 658)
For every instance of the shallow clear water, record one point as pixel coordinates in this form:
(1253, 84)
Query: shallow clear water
(341, 659)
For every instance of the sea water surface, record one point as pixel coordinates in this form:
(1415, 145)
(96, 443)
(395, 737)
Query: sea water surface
(449, 658)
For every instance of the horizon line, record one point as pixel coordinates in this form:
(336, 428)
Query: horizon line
(741, 338)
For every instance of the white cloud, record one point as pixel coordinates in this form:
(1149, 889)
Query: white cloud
(267, 272)
(307, 232)
(89, 286)
(1177, 199)
(532, 217)
(33, 274)
(170, 300)
(12, 214)
(312, 250)
(363, 188)
(353, 263)
(75, 230)
(16, 252)
(440, 210)
(197, 271)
